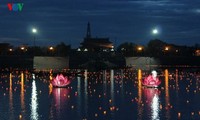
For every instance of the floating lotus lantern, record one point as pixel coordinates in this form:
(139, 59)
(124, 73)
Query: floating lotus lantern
(151, 80)
(60, 81)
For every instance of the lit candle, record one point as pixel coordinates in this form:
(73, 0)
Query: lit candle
(179, 114)
(20, 116)
(104, 112)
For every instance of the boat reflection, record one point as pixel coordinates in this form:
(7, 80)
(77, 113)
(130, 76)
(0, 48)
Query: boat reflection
(151, 95)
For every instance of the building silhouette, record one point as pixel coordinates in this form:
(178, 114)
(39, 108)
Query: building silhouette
(95, 44)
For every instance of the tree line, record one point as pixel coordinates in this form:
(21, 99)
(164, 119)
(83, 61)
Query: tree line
(155, 47)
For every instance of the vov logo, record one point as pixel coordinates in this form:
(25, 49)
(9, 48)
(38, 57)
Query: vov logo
(15, 6)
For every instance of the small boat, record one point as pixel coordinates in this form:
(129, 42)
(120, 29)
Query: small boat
(60, 81)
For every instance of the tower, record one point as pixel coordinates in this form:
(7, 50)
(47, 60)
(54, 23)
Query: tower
(88, 34)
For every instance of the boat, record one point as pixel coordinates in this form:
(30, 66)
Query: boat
(60, 81)
(151, 80)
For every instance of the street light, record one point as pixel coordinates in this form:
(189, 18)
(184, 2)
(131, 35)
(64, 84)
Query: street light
(139, 48)
(51, 48)
(10, 49)
(22, 48)
(166, 48)
(155, 31)
(34, 31)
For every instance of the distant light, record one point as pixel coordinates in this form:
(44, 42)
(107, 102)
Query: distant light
(22, 48)
(155, 31)
(34, 30)
(33, 75)
(51, 48)
(166, 48)
(122, 49)
(85, 49)
(10, 49)
(78, 49)
(197, 10)
(197, 52)
(139, 48)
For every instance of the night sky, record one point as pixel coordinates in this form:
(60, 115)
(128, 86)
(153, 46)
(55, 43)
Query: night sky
(177, 21)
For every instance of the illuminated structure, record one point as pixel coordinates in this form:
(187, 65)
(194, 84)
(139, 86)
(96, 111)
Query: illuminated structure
(95, 44)
(60, 81)
(152, 80)
(197, 52)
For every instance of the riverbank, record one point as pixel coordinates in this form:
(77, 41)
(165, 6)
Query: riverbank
(83, 62)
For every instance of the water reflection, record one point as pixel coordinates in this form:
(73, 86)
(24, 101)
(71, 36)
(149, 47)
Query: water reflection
(60, 96)
(111, 94)
(140, 107)
(112, 89)
(151, 96)
(86, 93)
(104, 81)
(11, 98)
(34, 102)
(79, 96)
(122, 83)
(176, 77)
(167, 103)
(22, 92)
(166, 82)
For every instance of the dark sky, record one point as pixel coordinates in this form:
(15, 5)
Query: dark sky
(178, 21)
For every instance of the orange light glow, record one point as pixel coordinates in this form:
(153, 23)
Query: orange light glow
(139, 48)
(51, 48)
(166, 48)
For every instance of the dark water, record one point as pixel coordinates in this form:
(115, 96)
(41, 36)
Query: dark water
(105, 95)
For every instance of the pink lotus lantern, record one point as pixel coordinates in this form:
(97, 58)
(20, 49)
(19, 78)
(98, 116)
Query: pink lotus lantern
(151, 80)
(60, 81)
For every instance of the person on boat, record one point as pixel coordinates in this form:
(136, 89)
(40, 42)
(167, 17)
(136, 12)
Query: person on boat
(152, 79)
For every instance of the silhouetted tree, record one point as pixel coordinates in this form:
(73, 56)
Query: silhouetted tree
(4, 48)
(127, 49)
(155, 47)
(62, 49)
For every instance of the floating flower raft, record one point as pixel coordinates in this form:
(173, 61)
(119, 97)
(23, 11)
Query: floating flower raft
(151, 82)
(60, 81)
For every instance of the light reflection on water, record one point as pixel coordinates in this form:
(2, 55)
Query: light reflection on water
(155, 107)
(167, 99)
(22, 94)
(108, 94)
(34, 102)
(151, 96)
(11, 99)
(86, 93)
(140, 108)
(60, 96)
